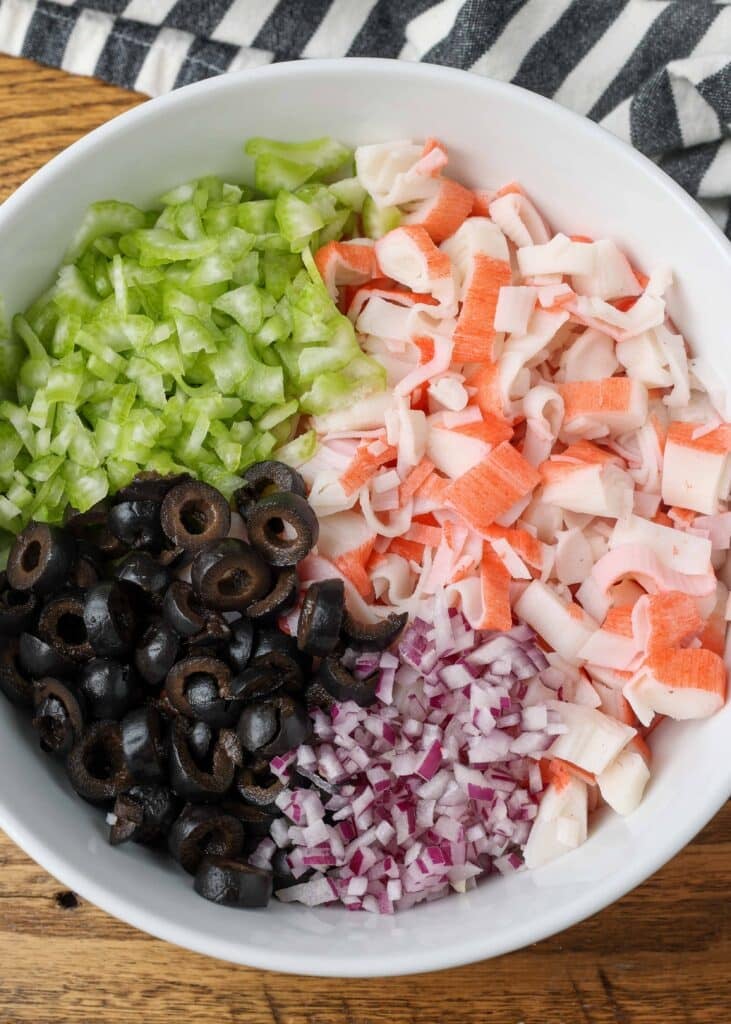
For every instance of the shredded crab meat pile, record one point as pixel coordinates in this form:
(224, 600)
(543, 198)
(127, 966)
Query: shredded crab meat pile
(545, 453)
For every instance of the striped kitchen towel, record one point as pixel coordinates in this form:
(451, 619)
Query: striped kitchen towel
(655, 72)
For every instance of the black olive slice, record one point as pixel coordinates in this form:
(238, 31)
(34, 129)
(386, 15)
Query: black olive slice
(91, 527)
(318, 628)
(258, 725)
(193, 514)
(137, 524)
(283, 877)
(41, 558)
(215, 631)
(108, 687)
(61, 624)
(295, 726)
(281, 598)
(38, 658)
(199, 832)
(229, 575)
(264, 478)
(274, 640)
(156, 652)
(17, 608)
(283, 528)
(233, 883)
(59, 716)
(110, 618)
(342, 684)
(257, 822)
(13, 683)
(142, 744)
(200, 741)
(188, 779)
(240, 643)
(198, 687)
(373, 636)
(181, 609)
(87, 569)
(96, 765)
(257, 683)
(144, 814)
(150, 486)
(316, 696)
(145, 572)
(256, 785)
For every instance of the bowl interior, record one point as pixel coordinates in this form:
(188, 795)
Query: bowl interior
(585, 182)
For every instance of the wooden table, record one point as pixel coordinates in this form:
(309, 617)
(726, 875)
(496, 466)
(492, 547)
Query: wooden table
(662, 955)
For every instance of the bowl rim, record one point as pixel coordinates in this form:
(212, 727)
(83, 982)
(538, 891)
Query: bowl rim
(476, 946)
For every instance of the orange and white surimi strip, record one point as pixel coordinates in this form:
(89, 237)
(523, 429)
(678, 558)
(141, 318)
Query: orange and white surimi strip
(409, 256)
(680, 683)
(482, 494)
(597, 408)
(592, 489)
(561, 823)
(342, 263)
(696, 470)
(565, 627)
(399, 172)
(519, 220)
(442, 213)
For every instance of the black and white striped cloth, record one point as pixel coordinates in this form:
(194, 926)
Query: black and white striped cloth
(655, 72)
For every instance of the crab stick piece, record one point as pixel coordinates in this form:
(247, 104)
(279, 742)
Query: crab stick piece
(679, 683)
(591, 357)
(647, 311)
(476, 235)
(442, 213)
(367, 461)
(525, 544)
(611, 276)
(644, 360)
(475, 334)
(683, 552)
(437, 355)
(573, 556)
(518, 218)
(622, 783)
(565, 627)
(345, 263)
(515, 304)
(696, 471)
(543, 410)
(495, 584)
(399, 172)
(492, 487)
(596, 489)
(669, 619)
(523, 350)
(595, 408)
(640, 562)
(593, 739)
(561, 823)
(559, 256)
(452, 453)
(608, 649)
(408, 255)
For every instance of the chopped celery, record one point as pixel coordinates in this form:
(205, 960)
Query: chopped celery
(379, 220)
(108, 217)
(326, 155)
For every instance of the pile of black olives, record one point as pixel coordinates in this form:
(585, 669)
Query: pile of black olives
(167, 699)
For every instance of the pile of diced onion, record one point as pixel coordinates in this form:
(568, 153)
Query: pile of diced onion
(544, 488)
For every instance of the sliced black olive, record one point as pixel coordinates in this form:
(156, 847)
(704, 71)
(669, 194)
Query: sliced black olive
(283, 877)
(198, 687)
(233, 883)
(182, 610)
(96, 765)
(156, 652)
(149, 486)
(144, 814)
(59, 716)
(256, 785)
(110, 618)
(274, 726)
(215, 631)
(240, 643)
(88, 568)
(257, 822)
(200, 742)
(145, 572)
(316, 696)
(17, 608)
(193, 514)
(318, 629)
(279, 652)
(142, 744)
(229, 575)
(258, 725)
(372, 636)
(188, 779)
(283, 528)
(232, 745)
(38, 658)
(137, 524)
(257, 683)
(13, 683)
(274, 640)
(281, 598)
(61, 624)
(109, 688)
(264, 478)
(342, 684)
(41, 558)
(91, 526)
(199, 832)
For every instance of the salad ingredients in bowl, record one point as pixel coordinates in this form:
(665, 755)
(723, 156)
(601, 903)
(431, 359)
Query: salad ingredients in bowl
(361, 527)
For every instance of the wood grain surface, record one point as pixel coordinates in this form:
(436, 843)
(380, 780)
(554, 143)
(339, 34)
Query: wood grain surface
(662, 955)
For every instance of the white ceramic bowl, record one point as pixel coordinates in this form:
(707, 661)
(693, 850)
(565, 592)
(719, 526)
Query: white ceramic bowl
(586, 182)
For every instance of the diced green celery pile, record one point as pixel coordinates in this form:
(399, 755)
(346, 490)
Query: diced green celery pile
(191, 336)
